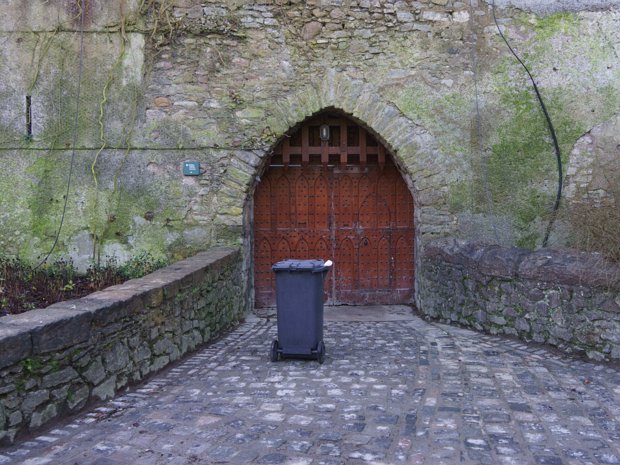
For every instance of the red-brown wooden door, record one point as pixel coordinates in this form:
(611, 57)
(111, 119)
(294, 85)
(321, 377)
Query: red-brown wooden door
(342, 200)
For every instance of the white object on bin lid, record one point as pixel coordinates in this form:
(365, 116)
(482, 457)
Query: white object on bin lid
(298, 265)
(328, 263)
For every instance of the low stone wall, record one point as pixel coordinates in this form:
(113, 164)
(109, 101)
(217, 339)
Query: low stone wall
(564, 298)
(54, 360)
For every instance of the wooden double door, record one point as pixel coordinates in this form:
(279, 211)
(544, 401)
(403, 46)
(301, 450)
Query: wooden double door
(352, 206)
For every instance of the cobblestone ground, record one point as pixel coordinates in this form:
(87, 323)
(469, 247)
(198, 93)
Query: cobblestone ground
(389, 392)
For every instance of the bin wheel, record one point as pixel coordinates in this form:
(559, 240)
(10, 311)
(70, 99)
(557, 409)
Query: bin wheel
(275, 354)
(320, 352)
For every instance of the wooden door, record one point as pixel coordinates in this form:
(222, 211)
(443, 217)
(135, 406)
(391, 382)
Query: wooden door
(340, 199)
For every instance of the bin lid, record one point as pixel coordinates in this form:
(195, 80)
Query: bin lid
(299, 265)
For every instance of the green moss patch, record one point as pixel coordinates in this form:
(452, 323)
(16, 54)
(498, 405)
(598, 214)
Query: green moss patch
(522, 167)
(558, 23)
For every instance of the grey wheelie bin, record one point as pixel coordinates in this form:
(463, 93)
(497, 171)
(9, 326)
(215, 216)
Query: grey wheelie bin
(299, 301)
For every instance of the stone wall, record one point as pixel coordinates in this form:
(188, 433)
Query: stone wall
(564, 298)
(221, 82)
(55, 360)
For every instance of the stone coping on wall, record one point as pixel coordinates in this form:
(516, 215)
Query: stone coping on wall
(557, 266)
(53, 360)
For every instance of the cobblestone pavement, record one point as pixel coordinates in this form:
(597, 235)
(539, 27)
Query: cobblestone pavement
(390, 392)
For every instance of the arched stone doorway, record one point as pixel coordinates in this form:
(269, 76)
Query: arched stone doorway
(341, 197)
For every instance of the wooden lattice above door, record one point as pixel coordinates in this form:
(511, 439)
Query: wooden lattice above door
(340, 199)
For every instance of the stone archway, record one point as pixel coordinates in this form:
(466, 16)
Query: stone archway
(332, 191)
(414, 151)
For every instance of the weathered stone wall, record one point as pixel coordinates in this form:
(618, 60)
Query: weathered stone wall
(221, 82)
(564, 298)
(54, 360)
(593, 177)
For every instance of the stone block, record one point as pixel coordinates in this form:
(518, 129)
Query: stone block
(405, 17)
(154, 298)
(116, 358)
(596, 355)
(435, 16)
(77, 398)
(501, 261)
(172, 288)
(14, 419)
(105, 390)
(509, 312)
(62, 326)
(460, 16)
(95, 373)
(542, 308)
(6, 388)
(60, 393)
(563, 334)
(113, 305)
(163, 346)
(535, 294)
(44, 416)
(15, 342)
(109, 331)
(162, 102)
(480, 316)
(175, 353)
(142, 353)
(31, 383)
(59, 377)
(612, 333)
(554, 298)
(186, 326)
(11, 401)
(586, 335)
(158, 363)
(33, 400)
